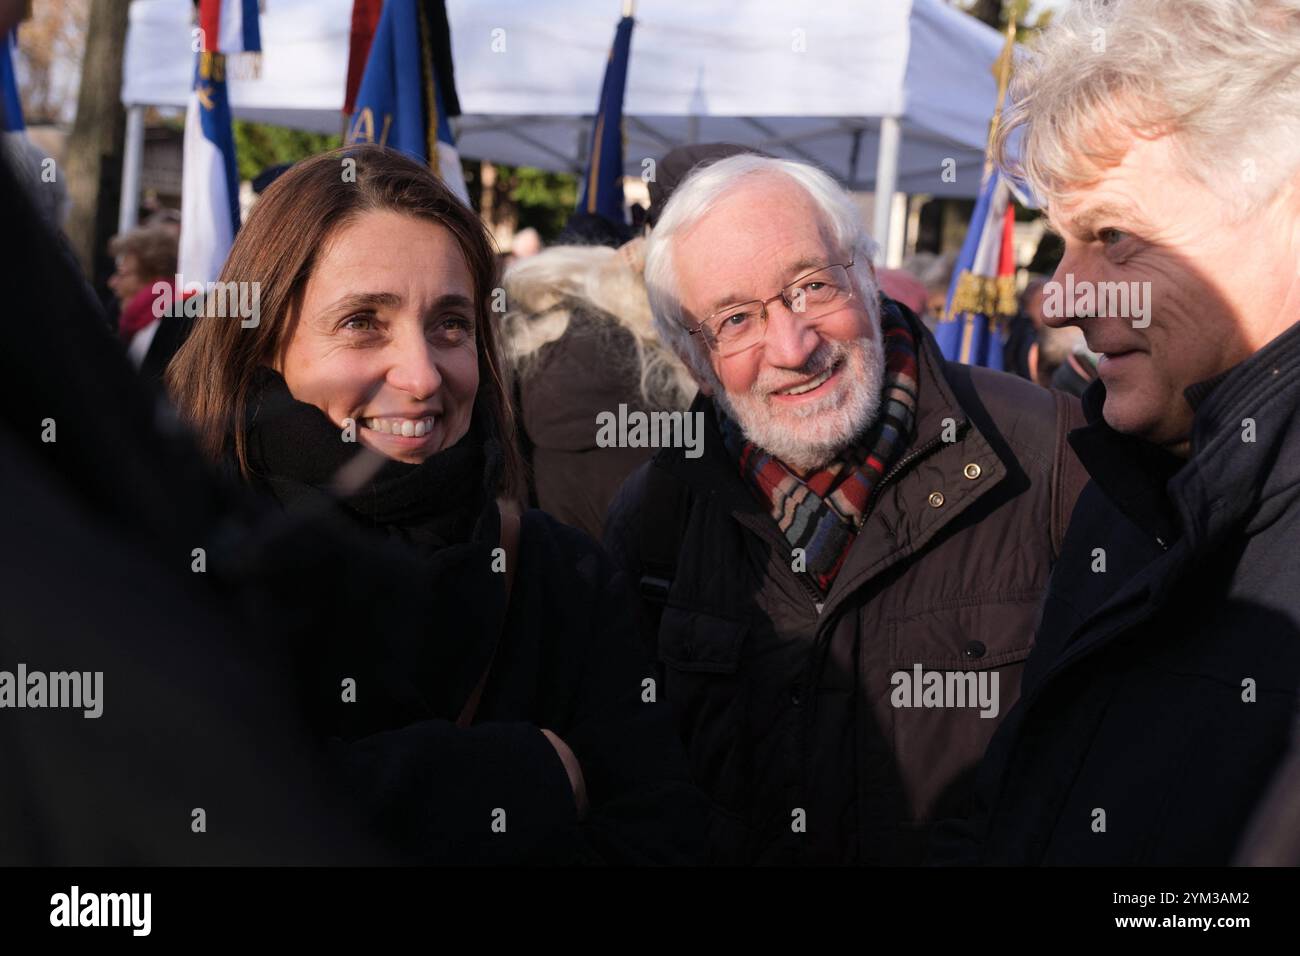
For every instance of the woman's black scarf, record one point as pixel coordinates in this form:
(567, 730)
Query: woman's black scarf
(298, 453)
(430, 645)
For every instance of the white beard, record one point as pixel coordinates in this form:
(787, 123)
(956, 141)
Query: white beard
(812, 435)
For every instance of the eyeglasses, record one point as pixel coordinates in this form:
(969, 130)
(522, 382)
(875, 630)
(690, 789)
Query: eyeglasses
(812, 296)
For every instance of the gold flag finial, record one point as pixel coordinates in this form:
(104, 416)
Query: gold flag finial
(1002, 67)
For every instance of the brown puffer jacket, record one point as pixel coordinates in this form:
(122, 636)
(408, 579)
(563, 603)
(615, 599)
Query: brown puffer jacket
(787, 708)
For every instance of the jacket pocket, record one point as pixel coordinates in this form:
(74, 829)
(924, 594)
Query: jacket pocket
(693, 641)
(971, 634)
(709, 698)
(954, 672)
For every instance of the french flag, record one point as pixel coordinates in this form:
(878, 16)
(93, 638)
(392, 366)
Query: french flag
(229, 26)
(982, 295)
(209, 180)
(400, 103)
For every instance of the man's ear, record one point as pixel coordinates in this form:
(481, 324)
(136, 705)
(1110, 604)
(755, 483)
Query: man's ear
(1291, 193)
(706, 384)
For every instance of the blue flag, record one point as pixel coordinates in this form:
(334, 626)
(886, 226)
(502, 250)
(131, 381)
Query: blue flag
(209, 180)
(982, 294)
(399, 103)
(11, 107)
(602, 185)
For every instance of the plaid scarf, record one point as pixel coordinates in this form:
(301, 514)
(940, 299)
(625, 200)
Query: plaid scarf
(821, 512)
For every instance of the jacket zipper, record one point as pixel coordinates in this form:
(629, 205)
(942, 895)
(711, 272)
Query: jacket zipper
(905, 462)
(902, 464)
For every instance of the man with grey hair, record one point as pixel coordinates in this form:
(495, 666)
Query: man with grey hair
(841, 588)
(1160, 697)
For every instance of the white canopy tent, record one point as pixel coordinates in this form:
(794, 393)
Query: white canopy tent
(886, 95)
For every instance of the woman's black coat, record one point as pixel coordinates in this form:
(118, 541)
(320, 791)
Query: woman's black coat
(420, 617)
(567, 662)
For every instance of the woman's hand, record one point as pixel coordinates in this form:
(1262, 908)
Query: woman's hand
(573, 769)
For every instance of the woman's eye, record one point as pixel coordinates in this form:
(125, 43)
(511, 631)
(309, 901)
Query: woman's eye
(359, 323)
(455, 327)
(1110, 237)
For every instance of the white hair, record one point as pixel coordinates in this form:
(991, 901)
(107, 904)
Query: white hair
(546, 290)
(702, 189)
(1222, 77)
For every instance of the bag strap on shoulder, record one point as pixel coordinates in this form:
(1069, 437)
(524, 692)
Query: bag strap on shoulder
(1068, 475)
(510, 523)
(663, 512)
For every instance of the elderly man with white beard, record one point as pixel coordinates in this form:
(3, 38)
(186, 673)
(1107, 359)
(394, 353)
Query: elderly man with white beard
(840, 591)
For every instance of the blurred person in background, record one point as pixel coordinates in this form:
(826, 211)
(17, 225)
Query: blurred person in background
(592, 229)
(144, 284)
(1053, 357)
(1020, 351)
(936, 276)
(932, 273)
(580, 340)
(1052, 349)
(526, 243)
(901, 286)
(1077, 371)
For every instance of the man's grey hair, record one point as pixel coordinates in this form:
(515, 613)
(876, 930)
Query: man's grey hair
(696, 197)
(1221, 76)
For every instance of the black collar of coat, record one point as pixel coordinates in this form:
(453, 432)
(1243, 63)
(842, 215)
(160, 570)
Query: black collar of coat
(1131, 472)
(1228, 482)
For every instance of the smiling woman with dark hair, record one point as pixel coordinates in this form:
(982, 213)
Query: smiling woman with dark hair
(484, 719)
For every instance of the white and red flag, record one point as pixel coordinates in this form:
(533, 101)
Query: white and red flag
(209, 180)
(230, 26)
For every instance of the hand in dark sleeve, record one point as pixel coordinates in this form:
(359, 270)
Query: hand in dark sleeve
(644, 807)
(493, 793)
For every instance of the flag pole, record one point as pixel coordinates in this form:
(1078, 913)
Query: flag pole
(1003, 67)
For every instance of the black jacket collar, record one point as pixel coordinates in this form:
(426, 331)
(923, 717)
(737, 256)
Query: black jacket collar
(1226, 477)
(1131, 472)
(1231, 482)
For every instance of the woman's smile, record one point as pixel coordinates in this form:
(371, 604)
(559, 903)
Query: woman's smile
(389, 435)
(402, 427)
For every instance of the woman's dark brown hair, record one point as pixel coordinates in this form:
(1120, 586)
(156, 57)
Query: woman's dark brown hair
(211, 376)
